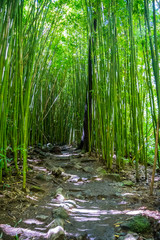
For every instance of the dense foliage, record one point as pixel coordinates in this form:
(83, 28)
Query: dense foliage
(55, 56)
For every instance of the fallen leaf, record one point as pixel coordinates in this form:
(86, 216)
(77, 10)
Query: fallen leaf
(117, 225)
(117, 236)
(68, 221)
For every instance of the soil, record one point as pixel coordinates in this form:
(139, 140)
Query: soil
(71, 196)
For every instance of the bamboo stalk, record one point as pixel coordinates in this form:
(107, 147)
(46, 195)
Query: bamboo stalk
(155, 159)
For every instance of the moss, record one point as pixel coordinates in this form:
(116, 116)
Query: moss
(101, 171)
(139, 224)
(127, 183)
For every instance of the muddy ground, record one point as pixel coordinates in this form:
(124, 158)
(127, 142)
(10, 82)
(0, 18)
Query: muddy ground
(71, 196)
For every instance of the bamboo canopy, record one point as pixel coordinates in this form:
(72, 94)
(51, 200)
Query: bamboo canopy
(57, 57)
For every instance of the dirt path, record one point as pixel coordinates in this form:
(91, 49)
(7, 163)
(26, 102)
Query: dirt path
(80, 201)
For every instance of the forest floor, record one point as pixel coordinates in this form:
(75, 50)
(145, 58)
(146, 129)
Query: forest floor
(71, 196)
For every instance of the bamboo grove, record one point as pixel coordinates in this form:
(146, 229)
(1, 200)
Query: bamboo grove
(54, 55)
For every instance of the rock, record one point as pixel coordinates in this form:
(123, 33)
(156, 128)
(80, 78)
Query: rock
(21, 233)
(138, 224)
(43, 154)
(49, 145)
(66, 206)
(60, 198)
(101, 171)
(71, 202)
(65, 178)
(87, 169)
(79, 196)
(64, 148)
(59, 191)
(58, 222)
(83, 237)
(56, 233)
(39, 151)
(56, 150)
(74, 179)
(128, 183)
(60, 213)
(113, 176)
(36, 150)
(59, 195)
(45, 148)
(41, 176)
(57, 171)
(49, 178)
(42, 217)
(48, 165)
(129, 236)
(77, 166)
(88, 193)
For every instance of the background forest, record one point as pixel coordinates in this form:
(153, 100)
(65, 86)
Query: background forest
(60, 60)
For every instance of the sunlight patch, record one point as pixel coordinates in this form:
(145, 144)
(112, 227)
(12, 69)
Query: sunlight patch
(33, 221)
(32, 198)
(127, 194)
(135, 212)
(123, 203)
(85, 219)
(11, 231)
(40, 168)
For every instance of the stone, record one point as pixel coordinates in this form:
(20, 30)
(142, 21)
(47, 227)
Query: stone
(113, 176)
(87, 169)
(128, 183)
(79, 196)
(88, 193)
(49, 145)
(43, 154)
(59, 191)
(57, 171)
(42, 217)
(66, 206)
(41, 176)
(129, 236)
(58, 222)
(60, 213)
(56, 233)
(55, 150)
(65, 178)
(39, 152)
(60, 198)
(45, 148)
(36, 150)
(71, 202)
(101, 171)
(77, 166)
(49, 178)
